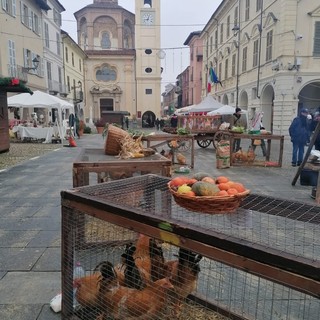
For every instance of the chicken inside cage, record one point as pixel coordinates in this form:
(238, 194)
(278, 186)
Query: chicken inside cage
(143, 279)
(130, 275)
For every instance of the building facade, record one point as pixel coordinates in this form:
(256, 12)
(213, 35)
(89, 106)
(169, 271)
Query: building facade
(195, 69)
(52, 49)
(266, 55)
(31, 48)
(21, 39)
(121, 74)
(73, 60)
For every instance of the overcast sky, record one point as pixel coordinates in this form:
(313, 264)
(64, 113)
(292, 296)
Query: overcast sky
(178, 19)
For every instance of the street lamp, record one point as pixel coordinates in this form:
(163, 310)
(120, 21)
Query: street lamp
(79, 86)
(35, 63)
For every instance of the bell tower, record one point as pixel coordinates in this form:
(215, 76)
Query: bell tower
(148, 63)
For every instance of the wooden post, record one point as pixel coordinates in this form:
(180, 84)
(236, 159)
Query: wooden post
(305, 159)
(4, 123)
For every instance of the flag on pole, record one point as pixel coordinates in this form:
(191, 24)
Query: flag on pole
(209, 83)
(214, 77)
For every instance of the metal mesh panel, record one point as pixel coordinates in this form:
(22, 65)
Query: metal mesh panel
(92, 235)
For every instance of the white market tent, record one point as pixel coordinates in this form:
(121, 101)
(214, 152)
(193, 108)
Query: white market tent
(224, 110)
(227, 110)
(183, 110)
(41, 99)
(209, 103)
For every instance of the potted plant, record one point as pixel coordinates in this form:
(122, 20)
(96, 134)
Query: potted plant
(100, 125)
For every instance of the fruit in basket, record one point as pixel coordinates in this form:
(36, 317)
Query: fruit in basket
(202, 188)
(239, 187)
(223, 193)
(222, 179)
(200, 175)
(223, 186)
(178, 181)
(184, 189)
(208, 179)
(232, 191)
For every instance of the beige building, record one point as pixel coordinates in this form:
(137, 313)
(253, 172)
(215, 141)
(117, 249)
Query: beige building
(22, 42)
(122, 71)
(73, 59)
(266, 54)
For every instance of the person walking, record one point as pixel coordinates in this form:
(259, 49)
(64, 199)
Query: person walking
(236, 118)
(157, 122)
(300, 135)
(127, 122)
(76, 126)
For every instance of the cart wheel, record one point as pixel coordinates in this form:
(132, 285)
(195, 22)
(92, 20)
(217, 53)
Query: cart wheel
(220, 135)
(182, 145)
(205, 143)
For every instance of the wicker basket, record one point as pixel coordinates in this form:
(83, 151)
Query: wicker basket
(114, 136)
(206, 204)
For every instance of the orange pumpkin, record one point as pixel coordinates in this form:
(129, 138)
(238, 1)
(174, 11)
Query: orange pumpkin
(239, 187)
(222, 193)
(232, 191)
(222, 179)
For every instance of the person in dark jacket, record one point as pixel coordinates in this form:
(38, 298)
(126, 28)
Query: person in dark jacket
(236, 118)
(300, 135)
(315, 121)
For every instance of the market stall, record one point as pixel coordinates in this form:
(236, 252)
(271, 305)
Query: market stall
(38, 133)
(41, 99)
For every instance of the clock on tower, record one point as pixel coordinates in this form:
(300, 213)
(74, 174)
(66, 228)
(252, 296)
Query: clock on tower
(147, 18)
(148, 63)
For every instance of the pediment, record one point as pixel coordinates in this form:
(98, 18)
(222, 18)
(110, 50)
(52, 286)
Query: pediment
(315, 12)
(245, 38)
(270, 20)
(234, 45)
(255, 30)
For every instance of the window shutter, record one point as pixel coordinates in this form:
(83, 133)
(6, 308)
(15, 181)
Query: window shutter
(316, 44)
(30, 13)
(25, 58)
(21, 11)
(14, 8)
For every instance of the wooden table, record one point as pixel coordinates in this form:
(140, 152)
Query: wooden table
(105, 167)
(268, 137)
(165, 138)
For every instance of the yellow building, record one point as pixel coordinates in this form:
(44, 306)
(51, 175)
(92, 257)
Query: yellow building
(73, 58)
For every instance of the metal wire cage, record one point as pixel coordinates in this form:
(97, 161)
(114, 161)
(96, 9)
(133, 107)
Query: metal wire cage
(261, 262)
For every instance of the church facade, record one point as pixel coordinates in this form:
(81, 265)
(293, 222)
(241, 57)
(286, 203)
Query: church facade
(122, 70)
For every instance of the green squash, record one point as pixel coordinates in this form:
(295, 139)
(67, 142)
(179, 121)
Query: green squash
(200, 175)
(202, 188)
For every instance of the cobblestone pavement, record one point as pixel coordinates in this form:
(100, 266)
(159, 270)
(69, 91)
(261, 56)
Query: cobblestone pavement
(20, 152)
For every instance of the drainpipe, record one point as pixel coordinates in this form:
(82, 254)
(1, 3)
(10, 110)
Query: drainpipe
(259, 56)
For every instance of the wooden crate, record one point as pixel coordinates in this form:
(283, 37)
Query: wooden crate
(93, 166)
(261, 262)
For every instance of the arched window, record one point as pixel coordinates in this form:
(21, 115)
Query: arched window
(147, 3)
(105, 41)
(106, 74)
